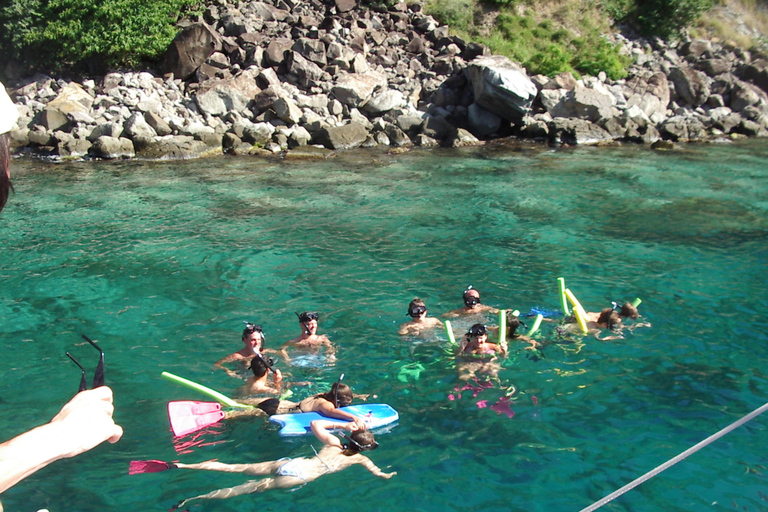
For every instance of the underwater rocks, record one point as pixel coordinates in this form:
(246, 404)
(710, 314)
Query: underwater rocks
(274, 76)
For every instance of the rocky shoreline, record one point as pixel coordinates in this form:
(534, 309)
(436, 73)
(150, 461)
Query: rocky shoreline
(266, 78)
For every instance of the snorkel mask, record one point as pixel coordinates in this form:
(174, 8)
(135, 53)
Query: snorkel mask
(416, 311)
(251, 328)
(477, 330)
(470, 300)
(306, 317)
(361, 447)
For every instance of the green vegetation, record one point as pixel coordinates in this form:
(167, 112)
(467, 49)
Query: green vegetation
(553, 36)
(93, 35)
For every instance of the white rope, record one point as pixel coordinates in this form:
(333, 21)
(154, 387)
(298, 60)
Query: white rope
(672, 462)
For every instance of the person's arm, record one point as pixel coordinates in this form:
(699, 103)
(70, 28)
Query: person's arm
(221, 362)
(373, 468)
(326, 408)
(404, 329)
(82, 424)
(319, 429)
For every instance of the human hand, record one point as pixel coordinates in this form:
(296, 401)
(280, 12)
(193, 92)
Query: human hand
(85, 422)
(388, 475)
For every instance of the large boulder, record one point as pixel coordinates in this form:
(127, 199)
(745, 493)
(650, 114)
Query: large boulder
(691, 85)
(347, 136)
(217, 97)
(112, 147)
(649, 91)
(356, 89)
(189, 49)
(501, 86)
(589, 103)
(577, 131)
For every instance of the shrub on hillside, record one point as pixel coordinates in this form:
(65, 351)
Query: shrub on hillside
(668, 18)
(93, 35)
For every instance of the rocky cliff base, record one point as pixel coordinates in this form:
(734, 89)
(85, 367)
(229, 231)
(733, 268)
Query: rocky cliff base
(264, 78)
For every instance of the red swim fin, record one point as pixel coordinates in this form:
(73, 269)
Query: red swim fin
(149, 466)
(187, 416)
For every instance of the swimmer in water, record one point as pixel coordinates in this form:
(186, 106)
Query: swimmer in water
(477, 356)
(259, 382)
(513, 323)
(421, 322)
(472, 305)
(253, 339)
(607, 319)
(287, 473)
(629, 311)
(309, 339)
(326, 404)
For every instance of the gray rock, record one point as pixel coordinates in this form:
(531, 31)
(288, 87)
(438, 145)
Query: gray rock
(158, 124)
(577, 131)
(305, 71)
(311, 49)
(355, 90)
(482, 123)
(287, 110)
(114, 130)
(137, 127)
(744, 94)
(189, 49)
(346, 136)
(52, 119)
(111, 148)
(501, 86)
(175, 147)
(691, 85)
(397, 137)
(217, 97)
(274, 55)
(258, 133)
(384, 101)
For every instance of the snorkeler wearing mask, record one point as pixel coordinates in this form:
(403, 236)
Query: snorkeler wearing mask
(476, 357)
(309, 342)
(472, 305)
(253, 341)
(287, 473)
(421, 322)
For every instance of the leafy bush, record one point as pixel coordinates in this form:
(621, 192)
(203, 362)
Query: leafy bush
(98, 34)
(457, 14)
(668, 18)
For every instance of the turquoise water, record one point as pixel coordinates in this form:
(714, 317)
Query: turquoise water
(161, 263)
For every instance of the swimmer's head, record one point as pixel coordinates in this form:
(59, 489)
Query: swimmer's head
(248, 334)
(340, 395)
(513, 322)
(416, 308)
(306, 316)
(471, 297)
(361, 441)
(627, 310)
(610, 318)
(260, 366)
(477, 330)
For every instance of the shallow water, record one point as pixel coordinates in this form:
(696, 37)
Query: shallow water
(161, 263)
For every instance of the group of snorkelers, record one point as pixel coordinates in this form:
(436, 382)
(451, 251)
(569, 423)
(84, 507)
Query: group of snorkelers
(475, 354)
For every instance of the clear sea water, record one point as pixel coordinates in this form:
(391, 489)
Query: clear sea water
(161, 262)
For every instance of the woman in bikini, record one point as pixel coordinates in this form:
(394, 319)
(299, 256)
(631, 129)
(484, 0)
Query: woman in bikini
(288, 473)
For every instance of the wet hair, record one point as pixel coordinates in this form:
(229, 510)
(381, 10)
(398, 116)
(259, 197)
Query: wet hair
(260, 366)
(340, 392)
(610, 318)
(416, 308)
(477, 330)
(5, 173)
(628, 310)
(306, 316)
(250, 329)
(469, 299)
(360, 441)
(513, 322)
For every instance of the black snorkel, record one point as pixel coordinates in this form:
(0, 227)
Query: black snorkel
(336, 392)
(302, 322)
(361, 447)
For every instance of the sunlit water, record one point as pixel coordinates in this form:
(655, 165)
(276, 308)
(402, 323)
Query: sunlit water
(161, 263)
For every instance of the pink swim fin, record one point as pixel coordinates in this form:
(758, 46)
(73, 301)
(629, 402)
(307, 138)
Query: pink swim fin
(187, 416)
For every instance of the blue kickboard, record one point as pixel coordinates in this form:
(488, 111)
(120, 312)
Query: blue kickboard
(297, 424)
